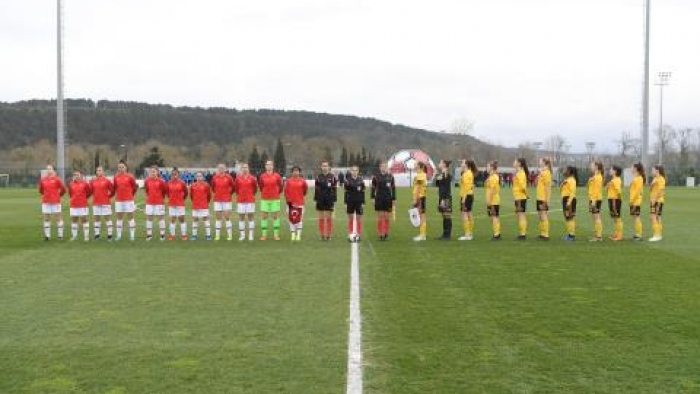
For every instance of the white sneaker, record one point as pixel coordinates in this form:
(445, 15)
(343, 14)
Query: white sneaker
(465, 238)
(419, 238)
(251, 237)
(655, 239)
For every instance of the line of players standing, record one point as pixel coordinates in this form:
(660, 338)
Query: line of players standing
(219, 193)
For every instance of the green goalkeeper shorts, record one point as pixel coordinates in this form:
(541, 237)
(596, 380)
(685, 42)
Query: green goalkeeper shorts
(270, 206)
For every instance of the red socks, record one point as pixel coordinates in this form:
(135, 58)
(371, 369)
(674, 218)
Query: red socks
(383, 226)
(322, 227)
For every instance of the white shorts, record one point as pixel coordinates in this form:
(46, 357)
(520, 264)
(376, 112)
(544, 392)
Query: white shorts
(124, 207)
(245, 207)
(102, 210)
(155, 210)
(78, 212)
(200, 213)
(222, 206)
(48, 209)
(176, 211)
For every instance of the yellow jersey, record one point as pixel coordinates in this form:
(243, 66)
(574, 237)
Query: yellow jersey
(493, 187)
(520, 185)
(657, 191)
(568, 188)
(544, 184)
(466, 184)
(636, 190)
(615, 188)
(419, 185)
(595, 187)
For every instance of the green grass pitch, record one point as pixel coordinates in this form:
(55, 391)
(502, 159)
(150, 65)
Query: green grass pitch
(438, 317)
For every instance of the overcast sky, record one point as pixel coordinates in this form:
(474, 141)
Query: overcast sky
(522, 70)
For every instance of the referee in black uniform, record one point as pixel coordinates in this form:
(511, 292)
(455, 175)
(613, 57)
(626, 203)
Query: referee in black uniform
(444, 183)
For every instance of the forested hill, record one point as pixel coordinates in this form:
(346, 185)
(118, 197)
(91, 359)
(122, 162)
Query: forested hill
(115, 122)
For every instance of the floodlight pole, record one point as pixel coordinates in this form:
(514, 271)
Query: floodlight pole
(645, 94)
(60, 111)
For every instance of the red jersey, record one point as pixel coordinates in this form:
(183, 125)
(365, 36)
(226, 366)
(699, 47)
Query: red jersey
(294, 191)
(177, 193)
(125, 187)
(270, 186)
(223, 186)
(102, 191)
(246, 187)
(200, 193)
(156, 190)
(51, 189)
(79, 193)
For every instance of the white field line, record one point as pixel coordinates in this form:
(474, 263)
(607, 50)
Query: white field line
(354, 382)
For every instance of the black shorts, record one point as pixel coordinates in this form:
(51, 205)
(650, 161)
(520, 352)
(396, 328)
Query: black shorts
(542, 206)
(493, 210)
(520, 206)
(324, 205)
(445, 205)
(615, 207)
(635, 210)
(569, 211)
(421, 205)
(467, 203)
(383, 205)
(594, 206)
(656, 208)
(355, 208)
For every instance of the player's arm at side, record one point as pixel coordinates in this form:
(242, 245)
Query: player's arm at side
(373, 189)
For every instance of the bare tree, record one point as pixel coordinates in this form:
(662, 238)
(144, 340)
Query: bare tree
(555, 145)
(684, 139)
(528, 151)
(664, 140)
(628, 146)
(462, 126)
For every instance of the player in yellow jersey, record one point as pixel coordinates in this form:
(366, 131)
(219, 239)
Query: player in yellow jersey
(568, 202)
(657, 197)
(520, 196)
(493, 199)
(544, 191)
(614, 192)
(636, 197)
(595, 199)
(466, 198)
(420, 183)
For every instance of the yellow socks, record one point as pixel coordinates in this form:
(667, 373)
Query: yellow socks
(522, 226)
(598, 227)
(637, 227)
(470, 227)
(423, 226)
(618, 227)
(657, 229)
(544, 228)
(497, 228)
(571, 227)
(465, 225)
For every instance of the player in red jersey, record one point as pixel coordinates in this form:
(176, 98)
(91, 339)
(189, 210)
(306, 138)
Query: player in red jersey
(246, 187)
(79, 191)
(200, 194)
(125, 188)
(177, 193)
(223, 186)
(102, 193)
(270, 191)
(295, 190)
(156, 191)
(51, 189)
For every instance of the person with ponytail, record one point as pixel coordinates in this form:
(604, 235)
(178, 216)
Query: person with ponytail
(544, 191)
(493, 199)
(466, 196)
(568, 196)
(657, 196)
(614, 192)
(636, 198)
(520, 196)
(595, 199)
